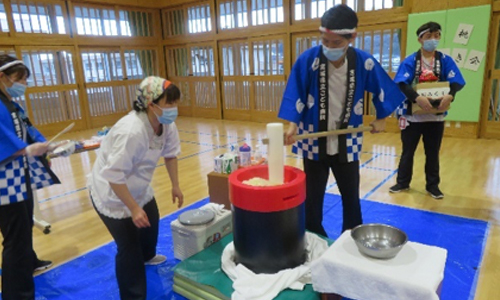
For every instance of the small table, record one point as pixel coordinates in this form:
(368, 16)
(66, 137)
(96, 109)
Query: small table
(415, 273)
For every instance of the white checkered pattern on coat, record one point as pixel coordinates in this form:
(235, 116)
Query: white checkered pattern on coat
(12, 182)
(38, 174)
(354, 142)
(306, 148)
(401, 110)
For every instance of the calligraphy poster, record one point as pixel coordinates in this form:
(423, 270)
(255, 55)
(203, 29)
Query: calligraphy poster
(474, 60)
(459, 55)
(462, 36)
(445, 51)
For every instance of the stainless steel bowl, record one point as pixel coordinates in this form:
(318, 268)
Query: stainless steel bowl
(379, 240)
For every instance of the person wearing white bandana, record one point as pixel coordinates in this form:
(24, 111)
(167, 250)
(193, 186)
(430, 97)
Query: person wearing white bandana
(120, 181)
(326, 91)
(425, 65)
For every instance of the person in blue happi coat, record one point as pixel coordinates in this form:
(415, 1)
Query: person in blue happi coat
(326, 91)
(23, 168)
(425, 65)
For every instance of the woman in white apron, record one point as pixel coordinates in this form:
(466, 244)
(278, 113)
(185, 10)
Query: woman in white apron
(120, 181)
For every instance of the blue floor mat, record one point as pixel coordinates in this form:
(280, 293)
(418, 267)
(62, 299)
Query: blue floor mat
(91, 276)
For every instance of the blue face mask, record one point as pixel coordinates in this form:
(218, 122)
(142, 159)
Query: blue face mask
(430, 45)
(333, 54)
(16, 90)
(168, 115)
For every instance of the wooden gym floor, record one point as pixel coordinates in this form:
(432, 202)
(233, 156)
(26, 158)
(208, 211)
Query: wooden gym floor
(470, 175)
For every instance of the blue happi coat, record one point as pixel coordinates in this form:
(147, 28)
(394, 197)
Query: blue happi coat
(408, 72)
(304, 100)
(15, 135)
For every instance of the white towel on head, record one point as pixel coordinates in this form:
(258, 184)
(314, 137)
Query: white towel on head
(414, 274)
(250, 286)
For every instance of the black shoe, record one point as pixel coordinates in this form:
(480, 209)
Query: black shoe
(435, 192)
(398, 188)
(41, 265)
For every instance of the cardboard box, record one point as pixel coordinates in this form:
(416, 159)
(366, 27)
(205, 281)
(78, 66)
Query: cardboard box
(433, 91)
(218, 189)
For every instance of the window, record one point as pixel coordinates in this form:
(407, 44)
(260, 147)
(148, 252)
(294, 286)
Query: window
(140, 63)
(36, 17)
(236, 60)
(4, 24)
(136, 23)
(53, 94)
(199, 18)
(268, 57)
(174, 22)
(302, 43)
(384, 45)
(202, 61)
(102, 66)
(103, 22)
(267, 11)
(191, 61)
(370, 5)
(49, 68)
(95, 21)
(177, 62)
(312, 9)
(233, 14)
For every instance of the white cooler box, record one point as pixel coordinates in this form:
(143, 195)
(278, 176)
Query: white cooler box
(191, 239)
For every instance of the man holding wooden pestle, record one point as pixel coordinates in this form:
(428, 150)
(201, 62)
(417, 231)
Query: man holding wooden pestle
(325, 92)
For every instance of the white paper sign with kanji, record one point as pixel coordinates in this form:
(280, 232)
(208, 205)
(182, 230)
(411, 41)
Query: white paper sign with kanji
(459, 55)
(434, 90)
(445, 51)
(463, 34)
(474, 60)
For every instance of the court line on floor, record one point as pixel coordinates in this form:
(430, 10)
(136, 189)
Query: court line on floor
(380, 184)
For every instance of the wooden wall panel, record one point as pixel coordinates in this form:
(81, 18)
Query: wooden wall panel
(419, 6)
(467, 3)
(428, 5)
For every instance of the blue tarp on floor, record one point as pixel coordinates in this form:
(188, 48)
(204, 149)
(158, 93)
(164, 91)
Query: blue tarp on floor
(91, 276)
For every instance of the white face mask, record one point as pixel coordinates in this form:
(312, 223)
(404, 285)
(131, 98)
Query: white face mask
(168, 115)
(16, 90)
(430, 45)
(333, 54)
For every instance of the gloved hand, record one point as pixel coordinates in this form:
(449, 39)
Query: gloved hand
(37, 149)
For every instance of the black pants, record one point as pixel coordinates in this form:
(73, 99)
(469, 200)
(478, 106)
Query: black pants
(17, 255)
(432, 135)
(30, 205)
(347, 176)
(135, 246)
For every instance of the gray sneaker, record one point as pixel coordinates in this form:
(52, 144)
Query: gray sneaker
(158, 259)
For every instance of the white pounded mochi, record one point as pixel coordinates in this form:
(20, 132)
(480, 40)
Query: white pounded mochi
(257, 181)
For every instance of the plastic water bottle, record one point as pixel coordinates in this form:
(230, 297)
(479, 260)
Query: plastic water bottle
(245, 155)
(258, 153)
